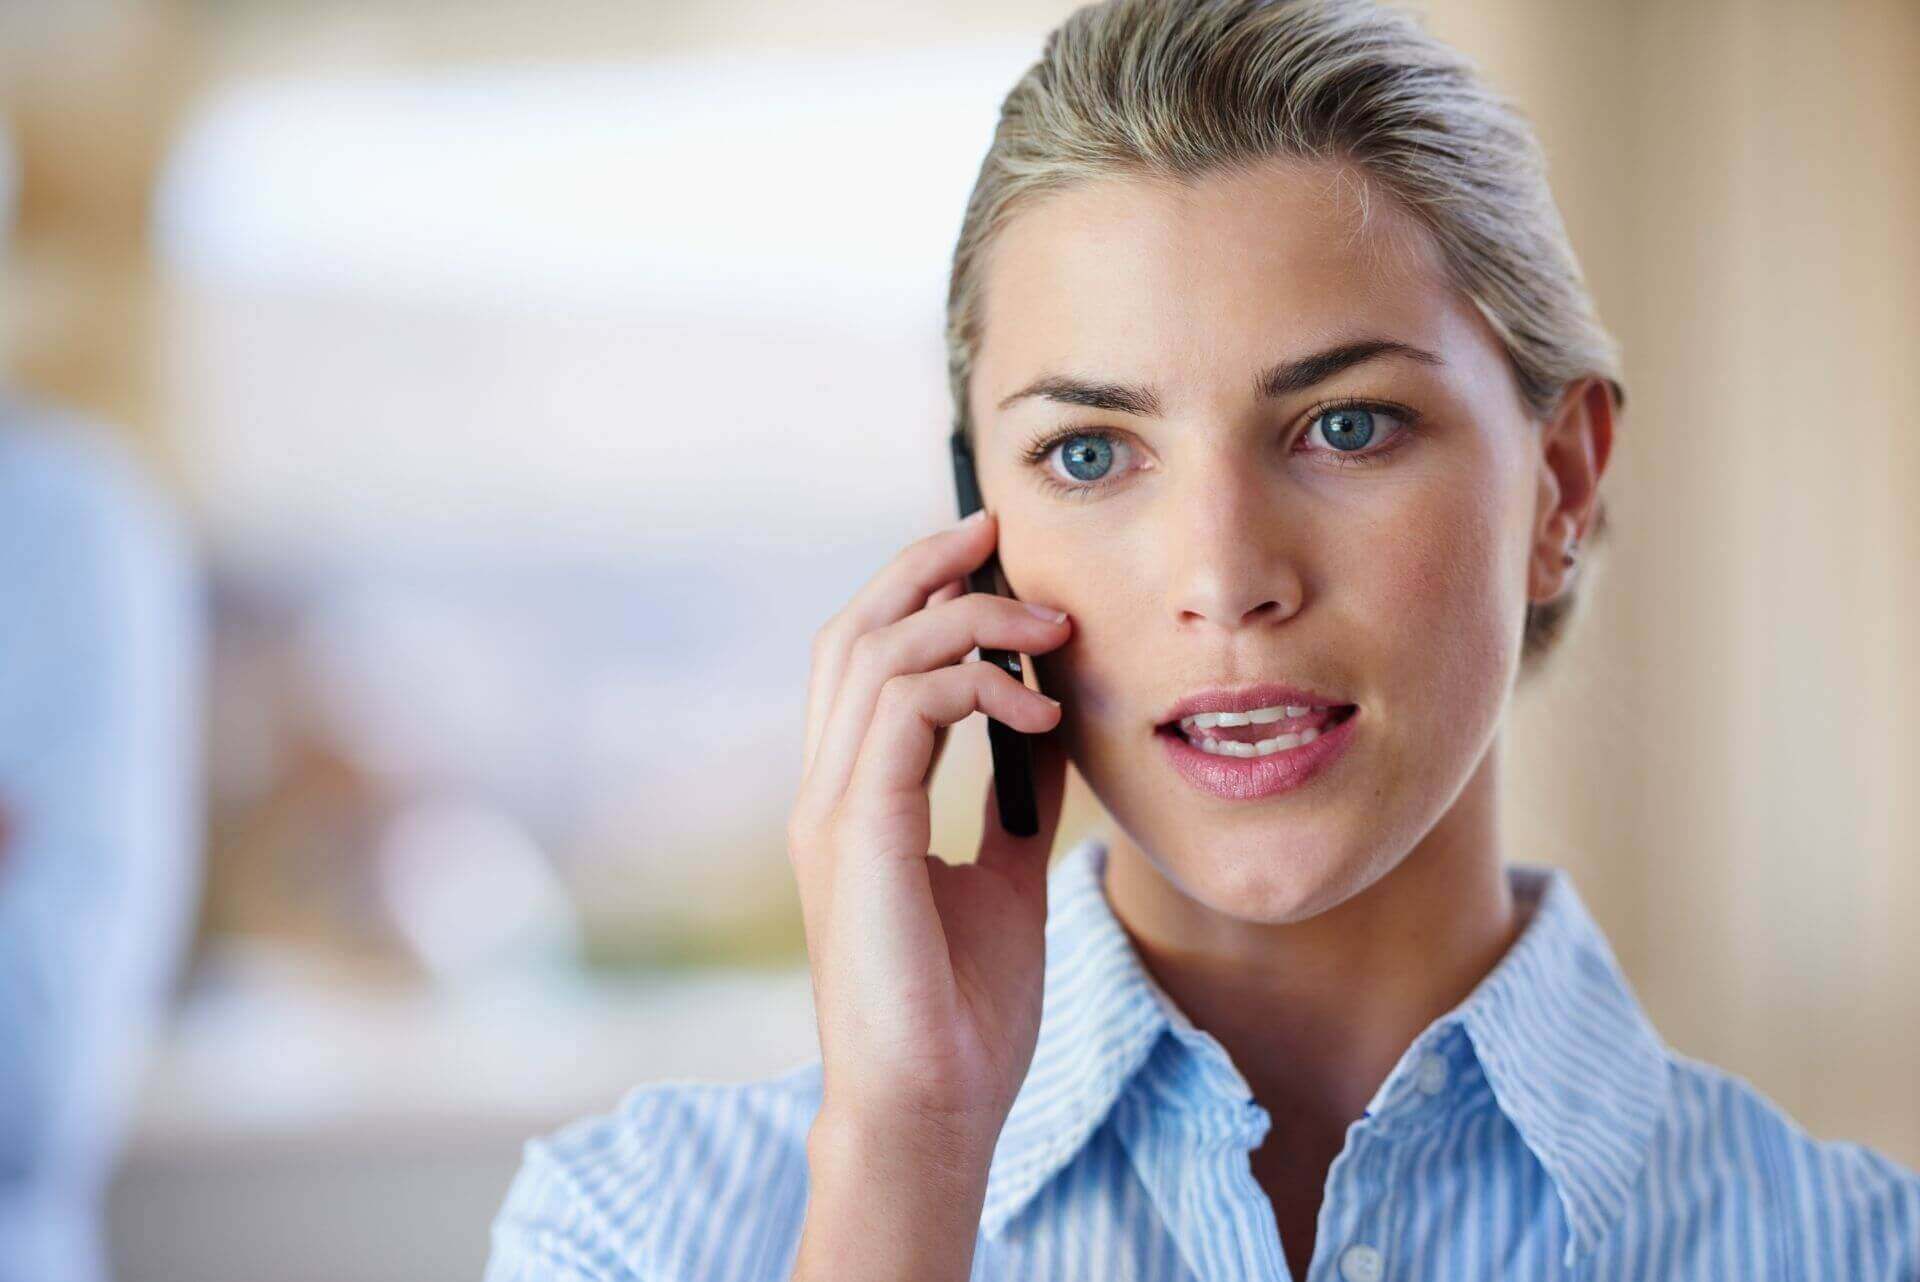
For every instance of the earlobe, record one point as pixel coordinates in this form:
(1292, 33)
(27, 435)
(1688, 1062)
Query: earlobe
(1552, 529)
(1555, 553)
(1578, 440)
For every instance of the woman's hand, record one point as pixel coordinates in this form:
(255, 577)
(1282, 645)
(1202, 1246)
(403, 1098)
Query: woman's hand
(927, 977)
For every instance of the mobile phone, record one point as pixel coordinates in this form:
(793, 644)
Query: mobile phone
(1012, 749)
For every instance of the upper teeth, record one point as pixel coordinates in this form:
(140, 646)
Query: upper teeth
(1253, 716)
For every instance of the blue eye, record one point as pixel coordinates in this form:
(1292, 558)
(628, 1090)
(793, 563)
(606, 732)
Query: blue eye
(1347, 428)
(1087, 458)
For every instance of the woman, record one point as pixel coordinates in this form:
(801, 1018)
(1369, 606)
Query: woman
(1285, 387)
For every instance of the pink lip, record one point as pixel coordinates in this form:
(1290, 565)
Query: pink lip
(1247, 778)
(1268, 694)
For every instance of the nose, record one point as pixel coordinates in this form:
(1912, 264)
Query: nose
(1233, 548)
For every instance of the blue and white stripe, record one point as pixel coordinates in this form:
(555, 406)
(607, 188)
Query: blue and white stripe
(1540, 1129)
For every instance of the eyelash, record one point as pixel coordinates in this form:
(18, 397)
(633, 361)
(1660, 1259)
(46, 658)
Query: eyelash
(1040, 447)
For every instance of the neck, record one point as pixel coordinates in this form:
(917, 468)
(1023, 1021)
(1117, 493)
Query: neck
(1316, 1013)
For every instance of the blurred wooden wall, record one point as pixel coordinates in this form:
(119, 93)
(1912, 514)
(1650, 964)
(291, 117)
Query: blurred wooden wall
(91, 91)
(1727, 757)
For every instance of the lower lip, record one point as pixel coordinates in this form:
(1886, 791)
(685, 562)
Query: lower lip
(1246, 778)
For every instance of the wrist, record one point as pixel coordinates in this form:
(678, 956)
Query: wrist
(952, 1154)
(891, 1201)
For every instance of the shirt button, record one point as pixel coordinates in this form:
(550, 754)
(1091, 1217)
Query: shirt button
(1433, 1074)
(1360, 1263)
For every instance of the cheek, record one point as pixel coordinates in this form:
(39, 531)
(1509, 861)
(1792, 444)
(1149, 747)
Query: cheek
(1088, 577)
(1448, 594)
(1087, 673)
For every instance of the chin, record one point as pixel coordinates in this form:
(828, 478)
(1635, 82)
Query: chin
(1262, 875)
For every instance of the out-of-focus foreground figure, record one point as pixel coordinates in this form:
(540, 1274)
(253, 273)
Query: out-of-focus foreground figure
(99, 817)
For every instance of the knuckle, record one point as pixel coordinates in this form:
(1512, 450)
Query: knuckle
(897, 692)
(954, 613)
(825, 638)
(867, 652)
(809, 831)
(800, 831)
(968, 613)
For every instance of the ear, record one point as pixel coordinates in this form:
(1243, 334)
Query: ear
(1575, 444)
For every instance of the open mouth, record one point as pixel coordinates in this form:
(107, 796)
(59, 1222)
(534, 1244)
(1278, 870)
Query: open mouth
(1257, 738)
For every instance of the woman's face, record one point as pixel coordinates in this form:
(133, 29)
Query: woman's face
(1213, 535)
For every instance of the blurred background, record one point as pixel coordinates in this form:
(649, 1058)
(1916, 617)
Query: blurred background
(490, 352)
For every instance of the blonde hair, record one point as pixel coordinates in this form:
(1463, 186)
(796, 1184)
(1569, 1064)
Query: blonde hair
(1178, 89)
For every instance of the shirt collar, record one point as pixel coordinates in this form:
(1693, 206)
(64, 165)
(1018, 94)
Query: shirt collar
(1570, 1057)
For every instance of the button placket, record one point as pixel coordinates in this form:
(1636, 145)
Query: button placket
(1405, 1104)
(1357, 1213)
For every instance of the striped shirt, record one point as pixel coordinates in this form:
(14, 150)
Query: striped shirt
(1540, 1129)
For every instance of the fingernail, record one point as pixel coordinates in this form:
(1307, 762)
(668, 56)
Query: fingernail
(1043, 612)
(1049, 698)
(972, 518)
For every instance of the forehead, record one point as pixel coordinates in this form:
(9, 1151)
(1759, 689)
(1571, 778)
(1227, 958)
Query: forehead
(1150, 278)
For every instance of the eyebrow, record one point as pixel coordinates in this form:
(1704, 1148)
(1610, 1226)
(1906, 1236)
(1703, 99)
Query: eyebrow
(1283, 379)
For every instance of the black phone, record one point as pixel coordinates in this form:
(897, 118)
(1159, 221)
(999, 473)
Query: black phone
(1012, 749)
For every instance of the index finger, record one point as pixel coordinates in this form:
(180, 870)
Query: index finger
(929, 567)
